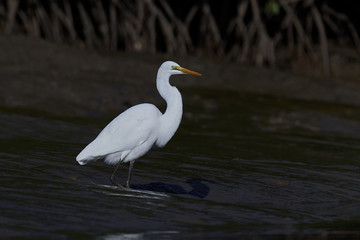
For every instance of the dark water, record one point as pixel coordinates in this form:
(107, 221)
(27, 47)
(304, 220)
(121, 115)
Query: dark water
(241, 165)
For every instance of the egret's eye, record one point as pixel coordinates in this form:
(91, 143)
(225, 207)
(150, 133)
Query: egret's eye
(175, 67)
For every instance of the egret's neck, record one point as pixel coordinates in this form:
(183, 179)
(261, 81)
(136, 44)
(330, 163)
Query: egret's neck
(170, 120)
(169, 93)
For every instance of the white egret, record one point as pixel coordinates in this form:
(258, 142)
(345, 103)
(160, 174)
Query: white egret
(135, 131)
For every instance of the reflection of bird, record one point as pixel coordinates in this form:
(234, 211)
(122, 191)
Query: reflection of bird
(135, 131)
(199, 188)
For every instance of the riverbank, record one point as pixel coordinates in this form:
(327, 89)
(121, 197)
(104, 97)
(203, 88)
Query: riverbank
(62, 81)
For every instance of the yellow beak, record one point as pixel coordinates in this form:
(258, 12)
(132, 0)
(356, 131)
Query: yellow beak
(185, 70)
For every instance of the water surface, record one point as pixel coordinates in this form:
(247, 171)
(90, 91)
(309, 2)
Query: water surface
(240, 165)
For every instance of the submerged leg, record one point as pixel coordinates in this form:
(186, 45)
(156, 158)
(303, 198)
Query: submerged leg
(112, 178)
(129, 174)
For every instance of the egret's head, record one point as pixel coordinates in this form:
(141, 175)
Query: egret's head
(174, 68)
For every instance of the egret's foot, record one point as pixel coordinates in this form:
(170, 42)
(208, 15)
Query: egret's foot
(116, 183)
(121, 186)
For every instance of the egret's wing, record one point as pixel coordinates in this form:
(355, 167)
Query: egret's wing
(128, 130)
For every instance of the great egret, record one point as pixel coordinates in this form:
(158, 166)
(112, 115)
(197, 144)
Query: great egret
(135, 131)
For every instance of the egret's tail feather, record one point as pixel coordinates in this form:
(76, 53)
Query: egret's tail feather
(82, 161)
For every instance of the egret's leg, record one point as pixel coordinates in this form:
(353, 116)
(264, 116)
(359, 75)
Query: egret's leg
(129, 174)
(112, 178)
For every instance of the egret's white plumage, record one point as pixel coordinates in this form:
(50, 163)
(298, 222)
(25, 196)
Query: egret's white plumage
(135, 131)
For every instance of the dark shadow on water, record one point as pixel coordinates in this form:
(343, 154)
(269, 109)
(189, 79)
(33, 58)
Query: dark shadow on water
(199, 188)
